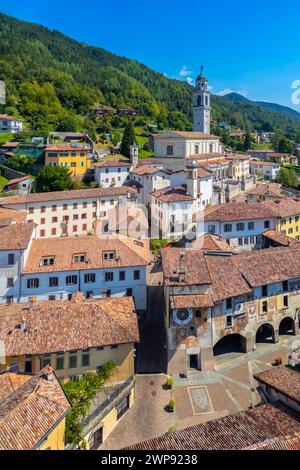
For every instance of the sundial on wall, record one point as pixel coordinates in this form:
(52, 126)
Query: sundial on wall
(183, 316)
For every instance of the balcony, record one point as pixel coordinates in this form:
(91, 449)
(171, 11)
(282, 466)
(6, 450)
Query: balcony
(105, 401)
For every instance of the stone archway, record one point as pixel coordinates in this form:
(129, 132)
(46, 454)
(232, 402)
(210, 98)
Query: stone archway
(229, 344)
(265, 333)
(287, 327)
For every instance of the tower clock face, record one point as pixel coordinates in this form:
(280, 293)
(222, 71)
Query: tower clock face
(183, 316)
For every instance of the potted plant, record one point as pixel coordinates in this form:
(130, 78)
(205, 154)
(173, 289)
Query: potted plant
(171, 406)
(169, 383)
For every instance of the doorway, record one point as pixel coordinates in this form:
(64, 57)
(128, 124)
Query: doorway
(193, 361)
(96, 439)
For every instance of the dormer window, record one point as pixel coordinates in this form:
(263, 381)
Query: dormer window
(109, 255)
(47, 261)
(79, 258)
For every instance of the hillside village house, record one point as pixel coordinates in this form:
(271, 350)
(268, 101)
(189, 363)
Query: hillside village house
(264, 192)
(111, 173)
(276, 157)
(65, 213)
(10, 124)
(265, 170)
(77, 337)
(54, 269)
(287, 211)
(15, 244)
(33, 411)
(21, 185)
(72, 156)
(205, 311)
(174, 210)
(239, 223)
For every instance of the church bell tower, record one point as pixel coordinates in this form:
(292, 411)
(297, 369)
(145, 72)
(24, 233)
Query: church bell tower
(201, 105)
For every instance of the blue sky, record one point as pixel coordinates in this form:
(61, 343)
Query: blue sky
(248, 46)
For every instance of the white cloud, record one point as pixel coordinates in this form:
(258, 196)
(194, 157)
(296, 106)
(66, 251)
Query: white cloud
(226, 91)
(190, 81)
(184, 72)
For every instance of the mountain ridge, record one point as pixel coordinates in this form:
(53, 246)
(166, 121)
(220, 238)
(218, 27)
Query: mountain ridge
(55, 82)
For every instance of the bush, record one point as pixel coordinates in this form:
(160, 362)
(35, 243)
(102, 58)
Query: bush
(172, 405)
(169, 382)
(172, 429)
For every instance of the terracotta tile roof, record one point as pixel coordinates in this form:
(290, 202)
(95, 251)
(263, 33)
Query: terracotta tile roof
(54, 326)
(169, 195)
(188, 135)
(210, 242)
(237, 156)
(281, 239)
(18, 180)
(266, 189)
(234, 432)
(239, 211)
(7, 117)
(198, 268)
(16, 236)
(65, 195)
(146, 170)
(66, 148)
(279, 443)
(12, 214)
(10, 144)
(285, 207)
(191, 301)
(202, 173)
(282, 379)
(268, 266)
(113, 164)
(256, 163)
(31, 409)
(205, 156)
(189, 262)
(213, 161)
(221, 270)
(128, 252)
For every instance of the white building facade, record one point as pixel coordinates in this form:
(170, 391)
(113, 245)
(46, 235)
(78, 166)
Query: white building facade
(68, 213)
(10, 124)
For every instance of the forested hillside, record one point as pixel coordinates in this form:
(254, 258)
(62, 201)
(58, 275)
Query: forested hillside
(55, 83)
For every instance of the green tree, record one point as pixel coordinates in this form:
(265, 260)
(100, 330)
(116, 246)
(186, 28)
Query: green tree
(80, 394)
(247, 142)
(285, 146)
(128, 139)
(53, 178)
(287, 177)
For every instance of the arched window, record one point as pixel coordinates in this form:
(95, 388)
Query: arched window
(206, 100)
(199, 100)
(196, 149)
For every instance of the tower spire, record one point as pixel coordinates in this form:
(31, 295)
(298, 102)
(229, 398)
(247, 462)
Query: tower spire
(201, 104)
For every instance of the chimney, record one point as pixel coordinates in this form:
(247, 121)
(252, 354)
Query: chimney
(48, 373)
(77, 297)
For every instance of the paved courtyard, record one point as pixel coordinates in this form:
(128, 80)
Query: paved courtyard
(201, 397)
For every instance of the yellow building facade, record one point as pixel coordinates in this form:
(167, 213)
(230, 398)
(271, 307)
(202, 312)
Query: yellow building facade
(55, 440)
(289, 226)
(72, 157)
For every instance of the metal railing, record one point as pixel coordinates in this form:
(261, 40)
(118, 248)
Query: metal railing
(108, 403)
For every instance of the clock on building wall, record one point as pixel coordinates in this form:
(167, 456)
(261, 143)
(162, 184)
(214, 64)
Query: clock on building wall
(183, 316)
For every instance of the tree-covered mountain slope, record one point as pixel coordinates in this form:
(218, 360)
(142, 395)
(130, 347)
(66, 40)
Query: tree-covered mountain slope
(55, 82)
